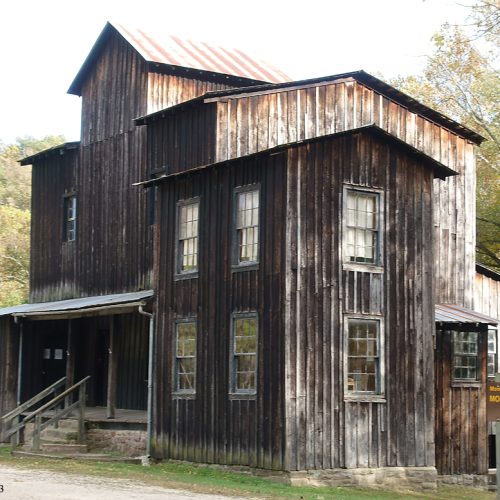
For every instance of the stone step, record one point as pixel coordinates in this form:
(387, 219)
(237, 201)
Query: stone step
(71, 449)
(93, 457)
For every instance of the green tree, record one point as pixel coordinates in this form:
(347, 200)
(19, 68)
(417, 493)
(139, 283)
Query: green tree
(15, 195)
(462, 82)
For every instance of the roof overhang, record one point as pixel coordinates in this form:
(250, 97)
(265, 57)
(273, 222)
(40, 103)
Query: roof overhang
(59, 150)
(441, 171)
(452, 316)
(100, 305)
(488, 271)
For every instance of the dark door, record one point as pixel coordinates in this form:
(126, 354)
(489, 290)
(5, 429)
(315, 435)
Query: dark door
(101, 368)
(53, 358)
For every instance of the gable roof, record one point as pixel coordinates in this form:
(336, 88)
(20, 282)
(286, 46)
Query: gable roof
(175, 52)
(361, 76)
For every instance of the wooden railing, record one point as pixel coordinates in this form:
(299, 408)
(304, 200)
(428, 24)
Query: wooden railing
(15, 425)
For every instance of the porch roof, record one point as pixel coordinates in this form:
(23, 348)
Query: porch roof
(84, 306)
(452, 313)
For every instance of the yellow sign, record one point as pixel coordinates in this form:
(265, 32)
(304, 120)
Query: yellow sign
(493, 401)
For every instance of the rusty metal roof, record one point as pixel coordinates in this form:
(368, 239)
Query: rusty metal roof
(173, 51)
(452, 313)
(101, 301)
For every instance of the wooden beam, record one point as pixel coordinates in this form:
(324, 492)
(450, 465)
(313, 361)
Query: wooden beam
(70, 359)
(111, 400)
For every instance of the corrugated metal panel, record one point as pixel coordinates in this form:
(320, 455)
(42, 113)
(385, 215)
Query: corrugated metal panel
(77, 304)
(451, 313)
(189, 54)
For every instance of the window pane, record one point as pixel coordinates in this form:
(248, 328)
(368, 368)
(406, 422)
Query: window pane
(465, 359)
(185, 368)
(244, 354)
(247, 225)
(361, 235)
(362, 355)
(188, 237)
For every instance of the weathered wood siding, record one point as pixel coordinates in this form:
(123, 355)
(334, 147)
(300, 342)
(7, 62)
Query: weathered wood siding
(461, 426)
(114, 93)
(52, 260)
(251, 123)
(182, 140)
(9, 348)
(169, 89)
(212, 427)
(487, 295)
(322, 429)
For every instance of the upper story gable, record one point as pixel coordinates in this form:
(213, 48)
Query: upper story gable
(225, 125)
(129, 73)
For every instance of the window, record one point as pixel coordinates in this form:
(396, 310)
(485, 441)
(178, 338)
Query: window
(244, 354)
(247, 226)
(465, 355)
(185, 357)
(492, 352)
(187, 257)
(70, 218)
(363, 356)
(362, 227)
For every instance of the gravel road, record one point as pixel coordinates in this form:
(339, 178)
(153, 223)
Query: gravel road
(23, 484)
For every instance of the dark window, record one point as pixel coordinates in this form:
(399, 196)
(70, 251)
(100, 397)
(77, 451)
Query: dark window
(70, 218)
(363, 356)
(244, 354)
(187, 253)
(465, 355)
(362, 227)
(185, 357)
(247, 226)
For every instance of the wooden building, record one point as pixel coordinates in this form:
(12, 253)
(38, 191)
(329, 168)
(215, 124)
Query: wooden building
(276, 278)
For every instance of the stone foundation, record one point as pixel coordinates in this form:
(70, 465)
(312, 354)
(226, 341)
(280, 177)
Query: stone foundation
(131, 443)
(471, 480)
(390, 478)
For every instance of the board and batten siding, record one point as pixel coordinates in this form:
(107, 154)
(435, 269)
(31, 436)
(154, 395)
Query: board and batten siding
(487, 295)
(249, 123)
(323, 430)
(52, 260)
(461, 424)
(212, 426)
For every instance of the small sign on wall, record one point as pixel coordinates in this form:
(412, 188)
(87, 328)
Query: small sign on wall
(493, 401)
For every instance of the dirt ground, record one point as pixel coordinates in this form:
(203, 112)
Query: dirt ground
(23, 484)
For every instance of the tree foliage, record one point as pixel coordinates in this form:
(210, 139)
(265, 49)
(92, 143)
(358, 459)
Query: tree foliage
(461, 81)
(15, 193)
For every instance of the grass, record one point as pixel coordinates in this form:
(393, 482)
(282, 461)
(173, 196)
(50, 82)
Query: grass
(208, 479)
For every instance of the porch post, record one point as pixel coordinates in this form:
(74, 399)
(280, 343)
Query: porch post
(19, 361)
(111, 403)
(70, 361)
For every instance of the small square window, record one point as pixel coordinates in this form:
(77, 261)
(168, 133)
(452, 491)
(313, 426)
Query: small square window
(465, 356)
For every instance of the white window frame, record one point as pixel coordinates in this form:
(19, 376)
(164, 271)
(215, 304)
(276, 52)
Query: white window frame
(237, 263)
(233, 391)
(175, 379)
(179, 272)
(372, 396)
(376, 266)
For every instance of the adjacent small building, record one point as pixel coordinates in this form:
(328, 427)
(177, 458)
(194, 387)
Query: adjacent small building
(255, 263)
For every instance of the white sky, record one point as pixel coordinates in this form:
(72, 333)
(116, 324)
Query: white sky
(44, 43)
